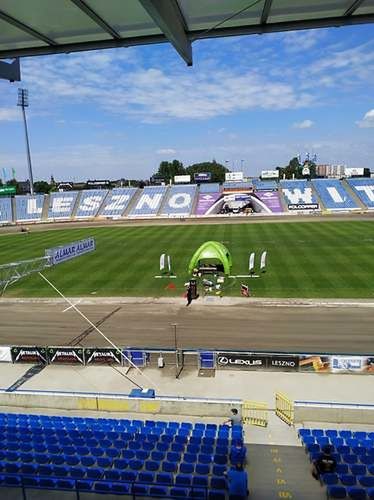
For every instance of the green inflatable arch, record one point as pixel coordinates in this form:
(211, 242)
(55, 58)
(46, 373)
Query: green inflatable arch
(211, 252)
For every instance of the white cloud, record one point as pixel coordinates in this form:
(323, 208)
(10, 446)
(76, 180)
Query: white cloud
(303, 124)
(166, 151)
(298, 41)
(10, 114)
(152, 94)
(367, 121)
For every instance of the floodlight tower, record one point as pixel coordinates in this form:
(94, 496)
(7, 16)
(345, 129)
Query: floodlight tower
(23, 102)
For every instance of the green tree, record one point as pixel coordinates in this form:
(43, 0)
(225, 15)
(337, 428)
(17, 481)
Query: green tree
(217, 170)
(42, 187)
(168, 169)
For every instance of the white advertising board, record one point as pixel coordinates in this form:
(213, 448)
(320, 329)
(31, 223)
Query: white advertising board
(5, 355)
(234, 176)
(349, 172)
(70, 251)
(182, 179)
(269, 174)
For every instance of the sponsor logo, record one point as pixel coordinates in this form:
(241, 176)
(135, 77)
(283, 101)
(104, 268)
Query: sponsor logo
(28, 354)
(303, 206)
(102, 356)
(240, 361)
(66, 355)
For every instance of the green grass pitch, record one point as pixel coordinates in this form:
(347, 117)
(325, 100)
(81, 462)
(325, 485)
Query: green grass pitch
(313, 259)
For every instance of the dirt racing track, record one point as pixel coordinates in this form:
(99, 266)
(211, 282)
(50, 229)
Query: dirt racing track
(332, 328)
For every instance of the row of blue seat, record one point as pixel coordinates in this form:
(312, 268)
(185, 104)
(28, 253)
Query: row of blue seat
(164, 477)
(339, 441)
(354, 492)
(125, 488)
(333, 433)
(343, 450)
(348, 479)
(114, 451)
(349, 459)
(65, 466)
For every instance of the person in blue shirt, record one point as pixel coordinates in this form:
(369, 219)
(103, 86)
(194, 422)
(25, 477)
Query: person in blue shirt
(237, 483)
(238, 453)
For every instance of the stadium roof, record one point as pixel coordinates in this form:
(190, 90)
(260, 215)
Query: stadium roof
(39, 27)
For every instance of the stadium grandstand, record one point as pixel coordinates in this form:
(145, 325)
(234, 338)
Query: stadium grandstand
(110, 385)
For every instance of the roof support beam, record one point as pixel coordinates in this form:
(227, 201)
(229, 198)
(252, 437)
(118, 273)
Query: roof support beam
(10, 71)
(168, 17)
(355, 5)
(195, 35)
(266, 11)
(81, 4)
(27, 29)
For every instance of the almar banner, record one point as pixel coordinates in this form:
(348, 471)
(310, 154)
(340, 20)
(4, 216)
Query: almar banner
(70, 251)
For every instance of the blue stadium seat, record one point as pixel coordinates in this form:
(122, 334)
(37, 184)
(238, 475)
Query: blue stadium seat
(176, 492)
(356, 493)
(203, 469)
(330, 478)
(347, 479)
(164, 478)
(121, 489)
(216, 495)
(77, 472)
(102, 487)
(366, 481)
(183, 479)
(128, 475)
(48, 483)
(358, 469)
(152, 465)
(219, 470)
(169, 466)
(218, 483)
(370, 493)
(65, 484)
(146, 477)
(186, 468)
(200, 481)
(336, 492)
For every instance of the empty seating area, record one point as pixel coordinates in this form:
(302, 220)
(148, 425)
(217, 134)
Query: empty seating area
(179, 200)
(29, 208)
(117, 202)
(333, 194)
(268, 185)
(125, 457)
(237, 186)
(210, 187)
(5, 210)
(364, 189)
(354, 453)
(61, 205)
(297, 191)
(149, 201)
(90, 202)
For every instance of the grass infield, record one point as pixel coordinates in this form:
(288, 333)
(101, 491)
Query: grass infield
(312, 259)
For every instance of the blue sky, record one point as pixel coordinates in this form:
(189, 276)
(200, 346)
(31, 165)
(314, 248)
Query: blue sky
(260, 99)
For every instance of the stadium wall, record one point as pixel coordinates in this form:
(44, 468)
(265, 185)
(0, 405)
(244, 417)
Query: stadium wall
(162, 405)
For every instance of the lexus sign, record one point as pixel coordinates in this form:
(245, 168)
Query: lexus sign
(246, 361)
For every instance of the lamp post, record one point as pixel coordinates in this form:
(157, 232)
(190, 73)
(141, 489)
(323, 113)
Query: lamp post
(23, 102)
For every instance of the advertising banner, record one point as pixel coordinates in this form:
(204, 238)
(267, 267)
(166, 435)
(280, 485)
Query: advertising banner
(271, 200)
(103, 355)
(66, 252)
(6, 190)
(202, 177)
(182, 179)
(205, 202)
(29, 354)
(242, 361)
(234, 176)
(253, 361)
(303, 206)
(5, 355)
(283, 362)
(70, 355)
(269, 174)
(349, 172)
(351, 364)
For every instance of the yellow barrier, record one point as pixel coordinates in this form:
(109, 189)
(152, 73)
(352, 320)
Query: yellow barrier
(284, 408)
(255, 413)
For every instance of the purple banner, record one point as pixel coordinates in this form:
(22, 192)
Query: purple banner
(271, 200)
(205, 201)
